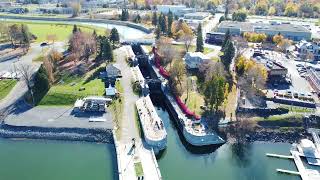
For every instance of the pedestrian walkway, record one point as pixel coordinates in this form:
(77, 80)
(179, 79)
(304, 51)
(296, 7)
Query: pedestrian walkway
(127, 155)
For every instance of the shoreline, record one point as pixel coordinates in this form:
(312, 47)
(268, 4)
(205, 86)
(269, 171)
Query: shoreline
(65, 134)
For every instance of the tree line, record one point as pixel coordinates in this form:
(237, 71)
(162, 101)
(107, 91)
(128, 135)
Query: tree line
(18, 34)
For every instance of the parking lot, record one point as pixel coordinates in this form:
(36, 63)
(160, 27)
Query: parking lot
(59, 117)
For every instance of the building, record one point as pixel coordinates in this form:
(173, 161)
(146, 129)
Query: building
(313, 78)
(111, 74)
(290, 31)
(178, 10)
(111, 91)
(92, 104)
(308, 50)
(215, 38)
(196, 18)
(194, 59)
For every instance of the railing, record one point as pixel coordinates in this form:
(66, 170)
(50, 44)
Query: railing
(118, 155)
(156, 165)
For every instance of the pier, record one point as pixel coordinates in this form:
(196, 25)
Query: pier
(279, 156)
(288, 172)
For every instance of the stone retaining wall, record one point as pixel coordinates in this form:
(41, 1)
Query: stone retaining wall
(69, 134)
(106, 21)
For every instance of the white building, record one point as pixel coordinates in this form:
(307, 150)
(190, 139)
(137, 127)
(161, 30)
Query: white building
(311, 49)
(194, 59)
(194, 19)
(178, 10)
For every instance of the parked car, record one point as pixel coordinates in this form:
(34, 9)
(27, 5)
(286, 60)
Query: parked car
(295, 95)
(276, 92)
(300, 65)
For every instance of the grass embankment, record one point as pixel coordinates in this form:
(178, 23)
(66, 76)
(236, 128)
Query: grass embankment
(6, 86)
(116, 107)
(70, 89)
(181, 49)
(62, 31)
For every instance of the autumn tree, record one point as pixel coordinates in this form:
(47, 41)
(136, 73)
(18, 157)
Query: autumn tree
(178, 77)
(277, 38)
(82, 44)
(214, 92)
(76, 8)
(52, 38)
(166, 50)
(291, 9)
(187, 40)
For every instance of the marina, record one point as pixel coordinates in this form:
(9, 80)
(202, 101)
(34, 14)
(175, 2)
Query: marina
(307, 150)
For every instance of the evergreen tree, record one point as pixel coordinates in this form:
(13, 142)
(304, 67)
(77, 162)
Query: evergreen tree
(25, 35)
(154, 18)
(199, 39)
(94, 34)
(114, 36)
(124, 15)
(75, 29)
(108, 52)
(214, 92)
(170, 21)
(158, 32)
(228, 54)
(137, 19)
(41, 81)
(227, 37)
(163, 23)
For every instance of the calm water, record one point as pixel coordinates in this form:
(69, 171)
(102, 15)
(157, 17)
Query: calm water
(60, 160)
(228, 162)
(55, 160)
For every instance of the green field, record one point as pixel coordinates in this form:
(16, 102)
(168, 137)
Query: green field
(68, 91)
(6, 86)
(62, 31)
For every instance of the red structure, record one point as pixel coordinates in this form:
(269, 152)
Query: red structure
(166, 75)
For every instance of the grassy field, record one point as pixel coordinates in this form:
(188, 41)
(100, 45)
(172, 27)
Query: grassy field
(181, 48)
(68, 91)
(62, 31)
(6, 86)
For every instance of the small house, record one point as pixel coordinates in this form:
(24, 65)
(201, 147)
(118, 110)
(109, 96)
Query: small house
(194, 59)
(111, 74)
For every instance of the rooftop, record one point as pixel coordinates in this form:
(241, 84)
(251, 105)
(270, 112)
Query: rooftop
(251, 27)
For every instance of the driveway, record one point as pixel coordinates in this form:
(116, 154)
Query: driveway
(21, 89)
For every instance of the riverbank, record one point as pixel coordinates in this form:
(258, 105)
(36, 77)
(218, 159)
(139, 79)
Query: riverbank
(66, 134)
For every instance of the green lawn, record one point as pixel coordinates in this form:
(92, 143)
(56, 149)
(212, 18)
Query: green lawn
(181, 48)
(138, 169)
(68, 91)
(62, 31)
(6, 86)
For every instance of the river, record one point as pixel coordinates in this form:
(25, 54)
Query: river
(56, 160)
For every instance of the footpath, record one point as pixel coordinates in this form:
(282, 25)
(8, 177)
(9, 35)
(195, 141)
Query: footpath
(128, 157)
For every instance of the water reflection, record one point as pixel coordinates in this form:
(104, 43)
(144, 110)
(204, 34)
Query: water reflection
(241, 153)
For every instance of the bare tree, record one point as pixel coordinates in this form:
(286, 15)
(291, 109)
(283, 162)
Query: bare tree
(82, 44)
(187, 40)
(166, 50)
(52, 38)
(26, 71)
(241, 44)
(209, 68)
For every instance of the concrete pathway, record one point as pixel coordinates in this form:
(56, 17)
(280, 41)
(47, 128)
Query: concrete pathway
(127, 155)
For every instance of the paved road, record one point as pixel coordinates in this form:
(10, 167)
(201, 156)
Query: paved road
(128, 126)
(17, 93)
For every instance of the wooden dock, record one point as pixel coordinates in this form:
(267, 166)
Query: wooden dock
(279, 156)
(288, 172)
